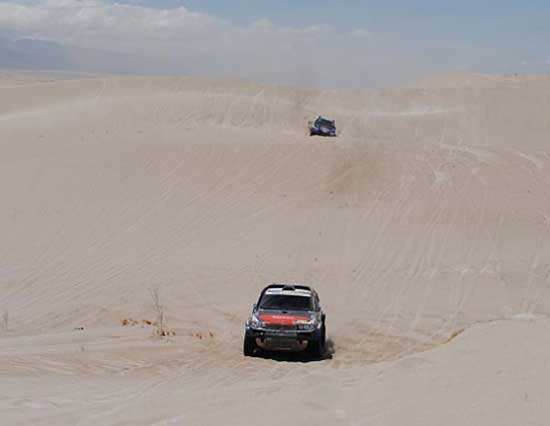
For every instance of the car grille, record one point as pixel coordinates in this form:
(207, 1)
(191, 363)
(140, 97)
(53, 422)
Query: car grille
(280, 327)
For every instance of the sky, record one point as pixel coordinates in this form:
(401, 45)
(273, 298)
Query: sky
(346, 43)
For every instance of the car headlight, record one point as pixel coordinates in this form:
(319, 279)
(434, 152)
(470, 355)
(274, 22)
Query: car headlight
(255, 321)
(307, 325)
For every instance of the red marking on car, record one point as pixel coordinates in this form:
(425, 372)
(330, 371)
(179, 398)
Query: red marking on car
(282, 319)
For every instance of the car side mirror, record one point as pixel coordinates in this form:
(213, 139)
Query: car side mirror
(253, 307)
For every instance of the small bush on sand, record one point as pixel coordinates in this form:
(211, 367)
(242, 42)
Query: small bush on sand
(159, 323)
(454, 334)
(5, 319)
(160, 329)
(128, 321)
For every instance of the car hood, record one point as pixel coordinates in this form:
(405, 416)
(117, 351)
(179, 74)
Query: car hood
(282, 317)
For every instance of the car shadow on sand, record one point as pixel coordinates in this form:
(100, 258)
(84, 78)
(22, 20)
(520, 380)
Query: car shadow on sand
(297, 356)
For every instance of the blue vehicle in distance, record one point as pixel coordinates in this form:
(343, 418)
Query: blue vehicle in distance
(322, 127)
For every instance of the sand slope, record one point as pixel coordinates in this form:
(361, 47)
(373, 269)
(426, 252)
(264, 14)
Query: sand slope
(429, 214)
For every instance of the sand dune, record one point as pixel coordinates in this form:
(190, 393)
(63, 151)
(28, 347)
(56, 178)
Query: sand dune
(427, 218)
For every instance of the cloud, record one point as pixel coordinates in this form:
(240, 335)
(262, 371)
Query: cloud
(180, 40)
(97, 23)
(93, 23)
(111, 37)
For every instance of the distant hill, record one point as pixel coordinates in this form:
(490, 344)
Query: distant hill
(32, 54)
(35, 55)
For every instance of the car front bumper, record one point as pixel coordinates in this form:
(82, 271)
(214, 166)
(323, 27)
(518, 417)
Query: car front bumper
(282, 339)
(320, 132)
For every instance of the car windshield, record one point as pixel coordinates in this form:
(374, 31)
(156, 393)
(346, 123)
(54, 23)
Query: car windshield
(286, 302)
(324, 123)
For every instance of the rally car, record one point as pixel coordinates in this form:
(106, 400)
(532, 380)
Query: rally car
(286, 318)
(322, 127)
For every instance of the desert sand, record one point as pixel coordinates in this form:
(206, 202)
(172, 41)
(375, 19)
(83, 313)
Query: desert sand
(425, 227)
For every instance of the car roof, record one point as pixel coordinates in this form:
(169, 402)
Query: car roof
(288, 286)
(320, 117)
(287, 292)
(290, 289)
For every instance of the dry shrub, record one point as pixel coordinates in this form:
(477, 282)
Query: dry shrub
(5, 319)
(199, 335)
(454, 334)
(160, 326)
(132, 322)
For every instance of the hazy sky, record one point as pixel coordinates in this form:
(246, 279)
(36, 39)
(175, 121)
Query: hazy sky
(325, 43)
